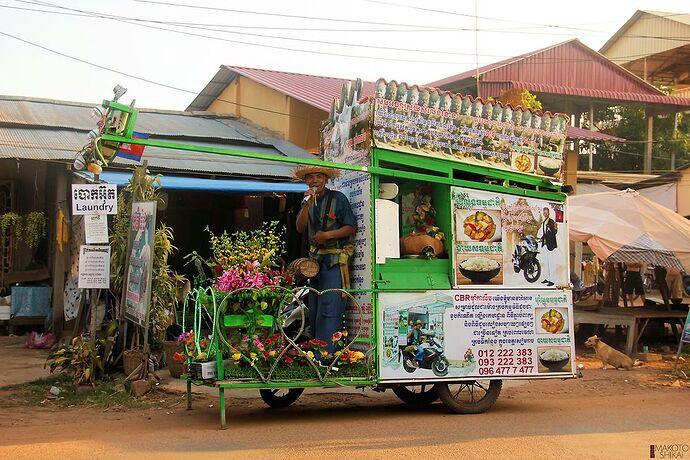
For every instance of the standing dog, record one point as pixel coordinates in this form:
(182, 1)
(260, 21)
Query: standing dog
(609, 355)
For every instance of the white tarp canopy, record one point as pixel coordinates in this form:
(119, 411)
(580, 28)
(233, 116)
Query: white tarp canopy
(627, 227)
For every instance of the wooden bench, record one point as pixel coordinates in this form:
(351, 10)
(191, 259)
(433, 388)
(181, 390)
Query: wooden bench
(635, 319)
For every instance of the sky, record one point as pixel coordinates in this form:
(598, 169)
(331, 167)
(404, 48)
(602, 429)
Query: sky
(165, 52)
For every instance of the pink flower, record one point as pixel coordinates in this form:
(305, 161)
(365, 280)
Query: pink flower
(336, 336)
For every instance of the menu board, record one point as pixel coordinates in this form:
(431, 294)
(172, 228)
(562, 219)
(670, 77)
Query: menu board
(478, 333)
(429, 122)
(508, 240)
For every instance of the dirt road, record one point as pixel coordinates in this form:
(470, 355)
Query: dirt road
(605, 414)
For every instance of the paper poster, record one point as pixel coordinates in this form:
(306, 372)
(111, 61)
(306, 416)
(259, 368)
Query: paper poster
(94, 267)
(94, 199)
(96, 228)
(477, 333)
(508, 240)
(138, 283)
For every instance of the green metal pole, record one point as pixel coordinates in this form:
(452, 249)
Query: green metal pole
(221, 404)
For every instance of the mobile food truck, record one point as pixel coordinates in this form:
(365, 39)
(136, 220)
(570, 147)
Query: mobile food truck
(459, 278)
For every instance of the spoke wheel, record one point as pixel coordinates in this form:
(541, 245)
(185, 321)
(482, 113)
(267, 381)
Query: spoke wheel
(472, 397)
(417, 395)
(278, 398)
(532, 271)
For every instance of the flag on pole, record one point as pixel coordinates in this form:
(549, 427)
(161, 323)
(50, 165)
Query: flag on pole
(133, 151)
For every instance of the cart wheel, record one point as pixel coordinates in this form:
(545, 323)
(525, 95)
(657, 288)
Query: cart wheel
(472, 397)
(417, 395)
(278, 398)
(532, 271)
(440, 366)
(408, 364)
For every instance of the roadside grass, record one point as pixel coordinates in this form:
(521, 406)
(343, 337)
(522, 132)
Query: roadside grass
(682, 371)
(109, 393)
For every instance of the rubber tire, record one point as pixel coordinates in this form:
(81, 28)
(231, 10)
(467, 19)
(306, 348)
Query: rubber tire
(476, 407)
(427, 396)
(279, 402)
(532, 279)
(407, 367)
(443, 361)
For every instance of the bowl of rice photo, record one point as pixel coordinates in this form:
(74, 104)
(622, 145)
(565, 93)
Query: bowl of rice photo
(479, 269)
(553, 359)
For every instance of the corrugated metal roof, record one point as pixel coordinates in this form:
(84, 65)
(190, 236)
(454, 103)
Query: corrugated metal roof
(56, 131)
(569, 68)
(314, 90)
(573, 132)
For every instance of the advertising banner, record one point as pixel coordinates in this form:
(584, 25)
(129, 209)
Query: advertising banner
(345, 139)
(140, 261)
(476, 334)
(94, 199)
(508, 240)
(346, 135)
(429, 122)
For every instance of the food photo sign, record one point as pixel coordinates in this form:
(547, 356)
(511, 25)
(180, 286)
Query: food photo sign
(476, 334)
(508, 240)
(430, 122)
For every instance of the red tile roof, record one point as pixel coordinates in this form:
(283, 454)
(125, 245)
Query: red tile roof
(316, 91)
(569, 68)
(573, 132)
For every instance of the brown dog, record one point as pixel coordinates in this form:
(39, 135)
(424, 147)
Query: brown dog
(609, 355)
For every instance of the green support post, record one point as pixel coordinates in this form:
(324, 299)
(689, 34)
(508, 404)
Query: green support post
(189, 394)
(221, 406)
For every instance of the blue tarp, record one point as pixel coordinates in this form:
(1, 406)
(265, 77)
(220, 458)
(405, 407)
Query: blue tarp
(217, 185)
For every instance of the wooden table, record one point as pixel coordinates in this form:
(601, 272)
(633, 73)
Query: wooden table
(634, 318)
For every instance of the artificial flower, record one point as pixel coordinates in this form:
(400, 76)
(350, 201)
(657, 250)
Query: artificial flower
(178, 357)
(310, 354)
(336, 336)
(236, 356)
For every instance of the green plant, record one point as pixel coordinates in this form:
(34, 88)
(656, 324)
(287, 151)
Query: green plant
(164, 281)
(34, 228)
(264, 245)
(81, 360)
(11, 221)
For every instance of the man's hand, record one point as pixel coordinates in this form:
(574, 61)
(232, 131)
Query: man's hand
(321, 237)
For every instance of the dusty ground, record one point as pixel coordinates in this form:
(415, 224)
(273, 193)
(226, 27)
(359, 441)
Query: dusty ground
(605, 414)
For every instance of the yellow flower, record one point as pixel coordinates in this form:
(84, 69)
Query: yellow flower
(201, 356)
(344, 332)
(310, 354)
(272, 353)
(252, 355)
(236, 356)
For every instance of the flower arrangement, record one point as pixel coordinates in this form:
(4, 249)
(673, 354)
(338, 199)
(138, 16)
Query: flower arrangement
(345, 355)
(193, 352)
(469, 355)
(424, 215)
(264, 245)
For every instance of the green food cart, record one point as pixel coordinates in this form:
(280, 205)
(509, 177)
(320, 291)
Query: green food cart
(462, 235)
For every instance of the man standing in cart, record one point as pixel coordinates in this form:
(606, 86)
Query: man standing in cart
(547, 234)
(327, 217)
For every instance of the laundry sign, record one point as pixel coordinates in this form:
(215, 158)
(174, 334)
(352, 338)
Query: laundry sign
(94, 199)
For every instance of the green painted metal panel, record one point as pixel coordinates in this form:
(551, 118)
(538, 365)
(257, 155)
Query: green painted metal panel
(414, 274)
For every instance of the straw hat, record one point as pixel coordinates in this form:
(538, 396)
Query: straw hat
(301, 172)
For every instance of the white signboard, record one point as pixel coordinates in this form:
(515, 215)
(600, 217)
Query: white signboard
(94, 199)
(476, 334)
(96, 228)
(94, 267)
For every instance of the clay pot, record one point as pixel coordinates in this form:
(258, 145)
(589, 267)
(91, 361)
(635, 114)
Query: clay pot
(415, 243)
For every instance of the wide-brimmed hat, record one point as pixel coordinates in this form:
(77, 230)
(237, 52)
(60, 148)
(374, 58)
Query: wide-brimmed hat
(301, 172)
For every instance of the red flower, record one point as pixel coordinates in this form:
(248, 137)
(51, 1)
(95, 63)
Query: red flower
(422, 229)
(317, 343)
(331, 215)
(287, 359)
(178, 357)
(219, 268)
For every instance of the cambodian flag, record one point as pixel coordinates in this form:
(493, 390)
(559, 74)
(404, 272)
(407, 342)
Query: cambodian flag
(133, 151)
